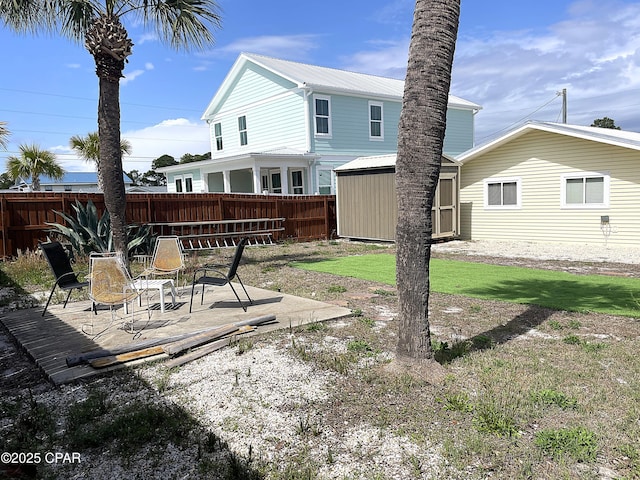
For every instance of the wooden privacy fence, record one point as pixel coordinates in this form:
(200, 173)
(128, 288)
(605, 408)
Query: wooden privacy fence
(23, 216)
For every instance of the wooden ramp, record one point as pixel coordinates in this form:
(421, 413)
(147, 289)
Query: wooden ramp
(49, 340)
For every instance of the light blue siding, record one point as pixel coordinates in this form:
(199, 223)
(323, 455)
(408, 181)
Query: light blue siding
(254, 84)
(350, 129)
(274, 112)
(458, 136)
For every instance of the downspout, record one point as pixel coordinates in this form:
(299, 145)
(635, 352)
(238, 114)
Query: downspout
(307, 92)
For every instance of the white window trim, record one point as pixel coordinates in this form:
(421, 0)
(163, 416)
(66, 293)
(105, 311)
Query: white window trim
(330, 170)
(315, 117)
(518, 182)
(183, 178)
(246, 130)
(381, 137)
(215, 137)
(585, 206)
(291, 186)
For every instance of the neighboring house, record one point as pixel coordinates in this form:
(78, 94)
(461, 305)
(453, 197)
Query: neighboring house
(84, 182)
(278, 126)
(550, 182)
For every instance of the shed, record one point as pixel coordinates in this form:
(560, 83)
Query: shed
(366, 199)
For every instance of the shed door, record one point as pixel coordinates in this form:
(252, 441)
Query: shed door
(444, 209)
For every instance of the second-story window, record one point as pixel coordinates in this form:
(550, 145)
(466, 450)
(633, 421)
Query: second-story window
(376, 126)
(242, 128)
(218, 134)
(322, 114)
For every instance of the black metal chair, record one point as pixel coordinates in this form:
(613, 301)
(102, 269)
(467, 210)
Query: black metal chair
(60, 265)
(221, 278)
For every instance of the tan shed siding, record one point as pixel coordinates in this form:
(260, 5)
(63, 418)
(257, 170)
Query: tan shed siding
(367, 206)
(540, 159)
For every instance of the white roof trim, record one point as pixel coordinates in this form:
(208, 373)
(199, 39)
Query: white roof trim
(375, 162)
(608, 136)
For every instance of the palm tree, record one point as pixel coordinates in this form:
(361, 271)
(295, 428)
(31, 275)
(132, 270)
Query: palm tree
(88, 148)
(4, 135)
(182, 24)
(420, 140)
(33, 162)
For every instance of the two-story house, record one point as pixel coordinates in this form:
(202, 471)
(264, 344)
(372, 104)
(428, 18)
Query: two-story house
(281, 127)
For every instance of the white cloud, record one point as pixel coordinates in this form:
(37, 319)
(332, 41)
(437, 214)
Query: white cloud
(594, 53)
(173, 137)
(131, 76)
(281, 46)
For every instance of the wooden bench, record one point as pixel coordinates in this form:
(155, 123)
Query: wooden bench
(207, 235)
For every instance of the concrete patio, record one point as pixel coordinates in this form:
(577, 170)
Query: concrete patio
(49, 340)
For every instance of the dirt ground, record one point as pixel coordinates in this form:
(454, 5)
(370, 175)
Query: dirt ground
(269, 268)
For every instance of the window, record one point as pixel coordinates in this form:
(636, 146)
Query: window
(322, 114)
(297, 186)
(48, 188)
(218, 134)
(502, 193)
(184, 183)
(242, 128)
(585, 190)
(271, 181)
(325, 183)
(376, 126)
(67, 188)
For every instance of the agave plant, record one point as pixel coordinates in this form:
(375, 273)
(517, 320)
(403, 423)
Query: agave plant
(90, 233)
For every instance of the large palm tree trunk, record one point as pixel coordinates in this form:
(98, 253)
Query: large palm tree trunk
(107, 40)
(110, 170)
(420, 141)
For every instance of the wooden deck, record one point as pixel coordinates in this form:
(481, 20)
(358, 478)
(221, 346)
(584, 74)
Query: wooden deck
(49, 340)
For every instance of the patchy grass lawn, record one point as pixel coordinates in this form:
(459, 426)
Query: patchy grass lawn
(546, 288)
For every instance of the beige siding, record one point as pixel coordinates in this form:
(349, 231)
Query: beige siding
(540, 159)
(367, 206)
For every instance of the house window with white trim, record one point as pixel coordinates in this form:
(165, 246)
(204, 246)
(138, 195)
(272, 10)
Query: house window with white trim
(297, 182)
(242, 128)
(585, 190)
(322, 115)
(217, 129)
(183, 183)
(502, 193)
(376, 125)
(325, 182)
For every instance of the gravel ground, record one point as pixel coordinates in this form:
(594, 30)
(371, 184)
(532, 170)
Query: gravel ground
(265, 403)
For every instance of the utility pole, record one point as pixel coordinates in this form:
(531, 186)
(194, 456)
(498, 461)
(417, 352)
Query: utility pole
(564, 105)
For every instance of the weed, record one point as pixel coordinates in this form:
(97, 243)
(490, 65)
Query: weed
(316, 327)
(574, 324)
(572, 340)
(384, 293)
(490, 418)
(482, 342)
(244, 345)
(593, 347)
(336, 289)
(553, 397)
(475, 309)
(367, 322)
(305, 427)
(268, 269)
(458, 402)
(555, 325)
(359, 346)
(356, 312)
(578, 442)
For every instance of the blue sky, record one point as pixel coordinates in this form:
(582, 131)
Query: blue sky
(512, 57)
